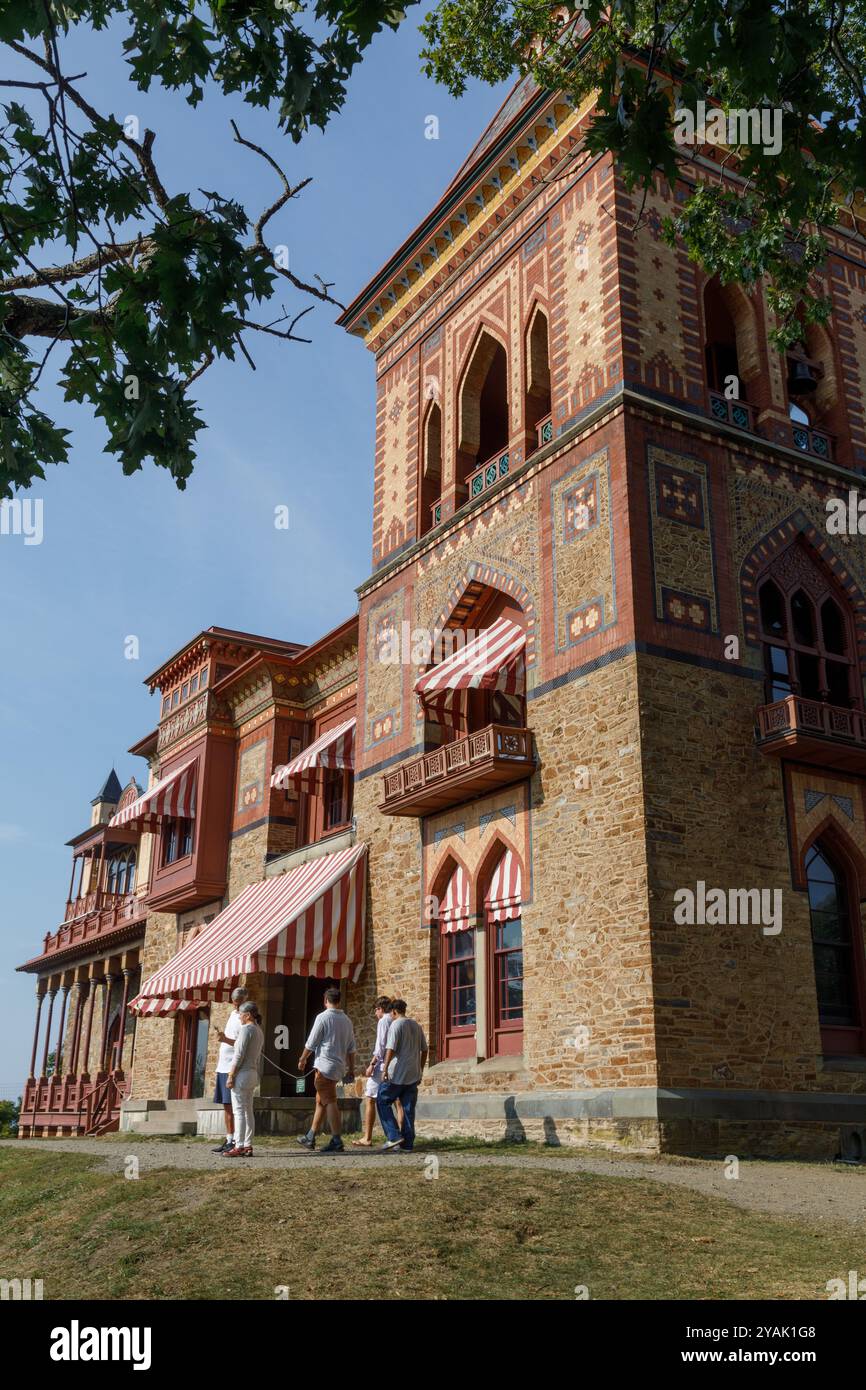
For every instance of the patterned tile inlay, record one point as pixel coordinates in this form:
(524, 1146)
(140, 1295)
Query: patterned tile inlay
(682, 541)
(584, 582)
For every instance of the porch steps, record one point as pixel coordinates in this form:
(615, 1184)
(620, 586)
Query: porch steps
(163, 1117)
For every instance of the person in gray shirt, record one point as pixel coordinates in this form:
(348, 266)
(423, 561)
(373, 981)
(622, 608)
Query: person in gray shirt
(405, 1060)
(332, 1045)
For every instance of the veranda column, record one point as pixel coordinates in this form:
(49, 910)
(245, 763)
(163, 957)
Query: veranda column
(58, 1046)
(109, 983)
(52, 995)
(81, 992)
(92, 993)
(40, 995)
(127, 975)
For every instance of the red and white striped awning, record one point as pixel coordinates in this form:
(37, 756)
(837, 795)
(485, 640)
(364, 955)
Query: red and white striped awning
(173, 795)
(454, 908)
(148, 1008)
(336, 748)
(504, 896)
(309, 921)
(491, 661)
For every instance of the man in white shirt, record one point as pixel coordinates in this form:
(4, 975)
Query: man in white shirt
(332, 1044)
(222, 1094)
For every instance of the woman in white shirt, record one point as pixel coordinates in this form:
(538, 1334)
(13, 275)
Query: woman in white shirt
(243, 1079)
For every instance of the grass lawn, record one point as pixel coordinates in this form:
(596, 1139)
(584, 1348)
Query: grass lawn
(470, 1233)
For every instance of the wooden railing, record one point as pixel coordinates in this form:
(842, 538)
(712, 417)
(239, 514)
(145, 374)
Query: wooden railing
(75, 1103)
(795, 715)
(92, 902)
(495, 743)
(93, 916)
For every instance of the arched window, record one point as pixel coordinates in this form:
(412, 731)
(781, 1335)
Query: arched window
(484, 411)
(502, 913)
(837, 949)
(537, 378)
(807, 632)
(129, 877)
(431, 469)
(720, 347)
(458, 1015)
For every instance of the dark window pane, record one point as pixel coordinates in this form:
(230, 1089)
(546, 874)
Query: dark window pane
(777, 660)
(807, 673)
(461, 943)
(510, 1000)
(509, 934)
(829, 927)
(464, 973)
(836, 1004)
(833, 627)
(822, 896)
(803, 619)
(831, 943)
(772, 611)
(837, 683)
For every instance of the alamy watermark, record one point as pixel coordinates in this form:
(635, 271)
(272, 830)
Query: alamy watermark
(719, 907)
(22, 516)
(738, 125)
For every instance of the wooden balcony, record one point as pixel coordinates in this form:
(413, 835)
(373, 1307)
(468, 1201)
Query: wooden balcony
(71, 1105)
(459, 771)
(813, 732)
(92, 917)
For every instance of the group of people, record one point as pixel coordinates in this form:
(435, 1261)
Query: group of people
(393, 1074)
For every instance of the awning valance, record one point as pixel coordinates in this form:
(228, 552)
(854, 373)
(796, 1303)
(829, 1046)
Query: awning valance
(309, 921)
(336, 749)
(161, 1008)
(454, 908)
(172, 795)
(504, 895)
(491, 661)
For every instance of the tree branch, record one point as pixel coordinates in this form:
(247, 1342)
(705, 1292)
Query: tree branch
(75, 270)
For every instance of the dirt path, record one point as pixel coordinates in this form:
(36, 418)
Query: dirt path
(817, 1193)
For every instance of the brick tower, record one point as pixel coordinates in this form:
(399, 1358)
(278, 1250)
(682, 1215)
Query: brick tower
(556, 449)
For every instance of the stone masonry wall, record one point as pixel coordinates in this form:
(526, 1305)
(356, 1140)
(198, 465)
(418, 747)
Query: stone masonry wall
(586, 944)
(735, 1008)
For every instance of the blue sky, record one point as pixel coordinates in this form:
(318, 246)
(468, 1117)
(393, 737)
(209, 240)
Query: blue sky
(133, 556)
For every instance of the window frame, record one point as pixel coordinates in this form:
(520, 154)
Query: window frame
(794, 648)
(505, 1036)
(457, 1041)
(184, 837)
(841, 1039)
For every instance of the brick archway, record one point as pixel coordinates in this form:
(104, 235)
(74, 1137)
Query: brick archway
(475, 578)
(780, 538)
